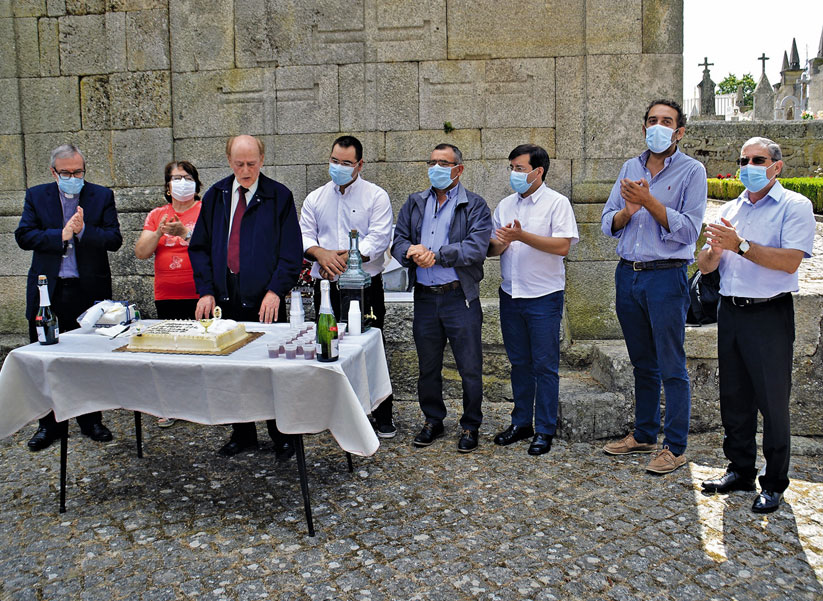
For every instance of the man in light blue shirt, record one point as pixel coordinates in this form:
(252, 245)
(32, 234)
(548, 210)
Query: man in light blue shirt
(757, 244)
(655, 210)
(442, 235)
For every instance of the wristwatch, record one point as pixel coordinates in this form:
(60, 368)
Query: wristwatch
(743, 248)
(188, 235)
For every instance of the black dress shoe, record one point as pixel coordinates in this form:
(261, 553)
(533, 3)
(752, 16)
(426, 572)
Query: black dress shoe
(284, 448)
(428, 434)
(42, 439)
(541, 443)
(97, 432)
(468, 441)
(767, 501)
(233, 447)
(728, 482)
(513, 434)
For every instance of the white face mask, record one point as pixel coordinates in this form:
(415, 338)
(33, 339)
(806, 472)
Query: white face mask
(182, 189)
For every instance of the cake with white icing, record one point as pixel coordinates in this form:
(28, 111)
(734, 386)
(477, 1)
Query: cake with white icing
(182, 336)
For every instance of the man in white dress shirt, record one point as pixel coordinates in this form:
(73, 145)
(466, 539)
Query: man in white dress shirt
(348, 202)
(533, 230)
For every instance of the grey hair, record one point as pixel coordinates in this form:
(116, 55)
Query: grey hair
(457, 154)
(65, 151)
(773, 147)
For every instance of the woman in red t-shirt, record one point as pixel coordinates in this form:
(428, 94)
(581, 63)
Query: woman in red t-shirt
(166, 235)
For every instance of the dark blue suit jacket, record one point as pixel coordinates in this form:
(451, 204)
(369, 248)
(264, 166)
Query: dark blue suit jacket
(271, 245)
(40, 230)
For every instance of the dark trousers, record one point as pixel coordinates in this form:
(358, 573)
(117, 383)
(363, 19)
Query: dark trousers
(68, 302)
(438, 318)
(755, 351)
(375, 303)
(531, 335)
(245, 432)
(180, 308)
(651, 307)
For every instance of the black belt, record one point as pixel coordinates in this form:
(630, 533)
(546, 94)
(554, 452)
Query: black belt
(441, 289)
(661, 264)
(742, 301)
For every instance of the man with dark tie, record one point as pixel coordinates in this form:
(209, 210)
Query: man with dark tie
(71, 225)
(246, 252)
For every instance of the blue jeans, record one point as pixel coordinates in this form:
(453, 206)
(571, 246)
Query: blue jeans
(441, 317)
(651, 306)
(531, 335)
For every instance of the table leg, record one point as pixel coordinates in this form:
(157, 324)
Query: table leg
(138, 433)
(64, 447)
(351, 465)
(304, 481)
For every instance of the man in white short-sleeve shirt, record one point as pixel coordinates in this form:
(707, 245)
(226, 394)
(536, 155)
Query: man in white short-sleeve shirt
(533, 230)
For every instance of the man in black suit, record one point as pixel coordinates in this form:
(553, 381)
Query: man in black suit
(247, 252)
(71, 225)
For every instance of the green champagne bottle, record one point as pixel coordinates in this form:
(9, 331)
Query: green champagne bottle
(327, 349)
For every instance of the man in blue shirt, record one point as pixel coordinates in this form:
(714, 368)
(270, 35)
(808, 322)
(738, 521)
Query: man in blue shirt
(655, 210)
(442, 235)
(757, 244)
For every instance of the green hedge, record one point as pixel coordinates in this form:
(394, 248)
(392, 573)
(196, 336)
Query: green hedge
(810, 187)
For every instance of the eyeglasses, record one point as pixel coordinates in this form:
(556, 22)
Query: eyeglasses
(69, 174)
(521, 168)
(177, 178)
(441, 163)
(334, 161)
(758, 160)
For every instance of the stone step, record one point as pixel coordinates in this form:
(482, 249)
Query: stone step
(587, 411)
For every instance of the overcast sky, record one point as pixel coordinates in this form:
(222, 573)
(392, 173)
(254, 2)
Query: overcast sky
(732, 34)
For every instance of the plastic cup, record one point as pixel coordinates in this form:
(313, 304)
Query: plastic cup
(341, 329)
(291, 351)
(298, 350)
(309, 351)
(274, 350)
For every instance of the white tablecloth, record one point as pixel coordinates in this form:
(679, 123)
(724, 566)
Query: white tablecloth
(81, 374)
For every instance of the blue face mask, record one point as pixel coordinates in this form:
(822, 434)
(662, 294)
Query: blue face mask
(659, 138)
(440, 177)
(340, 174)
(71, 185)
(520, 181)
(754, 177)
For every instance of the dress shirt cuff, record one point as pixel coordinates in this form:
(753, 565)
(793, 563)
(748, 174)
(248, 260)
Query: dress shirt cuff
(676, 222)
(606, 225)
(79, 235)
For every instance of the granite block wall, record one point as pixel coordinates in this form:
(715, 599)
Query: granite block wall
(136, 83)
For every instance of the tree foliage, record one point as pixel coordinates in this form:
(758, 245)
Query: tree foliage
(729, 86)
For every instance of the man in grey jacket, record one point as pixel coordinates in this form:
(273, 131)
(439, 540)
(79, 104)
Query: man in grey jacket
(442, 235)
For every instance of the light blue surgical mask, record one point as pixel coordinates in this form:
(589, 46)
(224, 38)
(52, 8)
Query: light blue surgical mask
(754, 177)
(340, 174)
(440, 177)
(520, 181)
(70, 185)
(659, 138)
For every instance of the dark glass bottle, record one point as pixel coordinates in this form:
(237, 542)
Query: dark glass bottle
(45, 322)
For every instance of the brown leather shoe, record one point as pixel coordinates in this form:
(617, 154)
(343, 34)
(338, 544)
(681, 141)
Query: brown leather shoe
(628, 445)
(664, 462)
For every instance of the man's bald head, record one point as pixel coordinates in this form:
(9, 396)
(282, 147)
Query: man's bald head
(245, 155)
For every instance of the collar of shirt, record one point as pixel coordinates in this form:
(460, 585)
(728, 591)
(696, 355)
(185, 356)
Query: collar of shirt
(450, 195)
(249, 195)
(644, 158)
(353, 188)
(776, 192)
(535, 196)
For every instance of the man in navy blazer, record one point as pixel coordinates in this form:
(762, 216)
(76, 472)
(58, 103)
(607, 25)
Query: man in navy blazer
(71, 225)
(247, 252)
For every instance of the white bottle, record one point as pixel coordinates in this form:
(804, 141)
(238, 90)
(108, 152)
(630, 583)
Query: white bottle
(297, 315)
(355, 325)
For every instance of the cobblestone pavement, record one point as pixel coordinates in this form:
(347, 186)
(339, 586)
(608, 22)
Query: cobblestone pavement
(426, 524)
